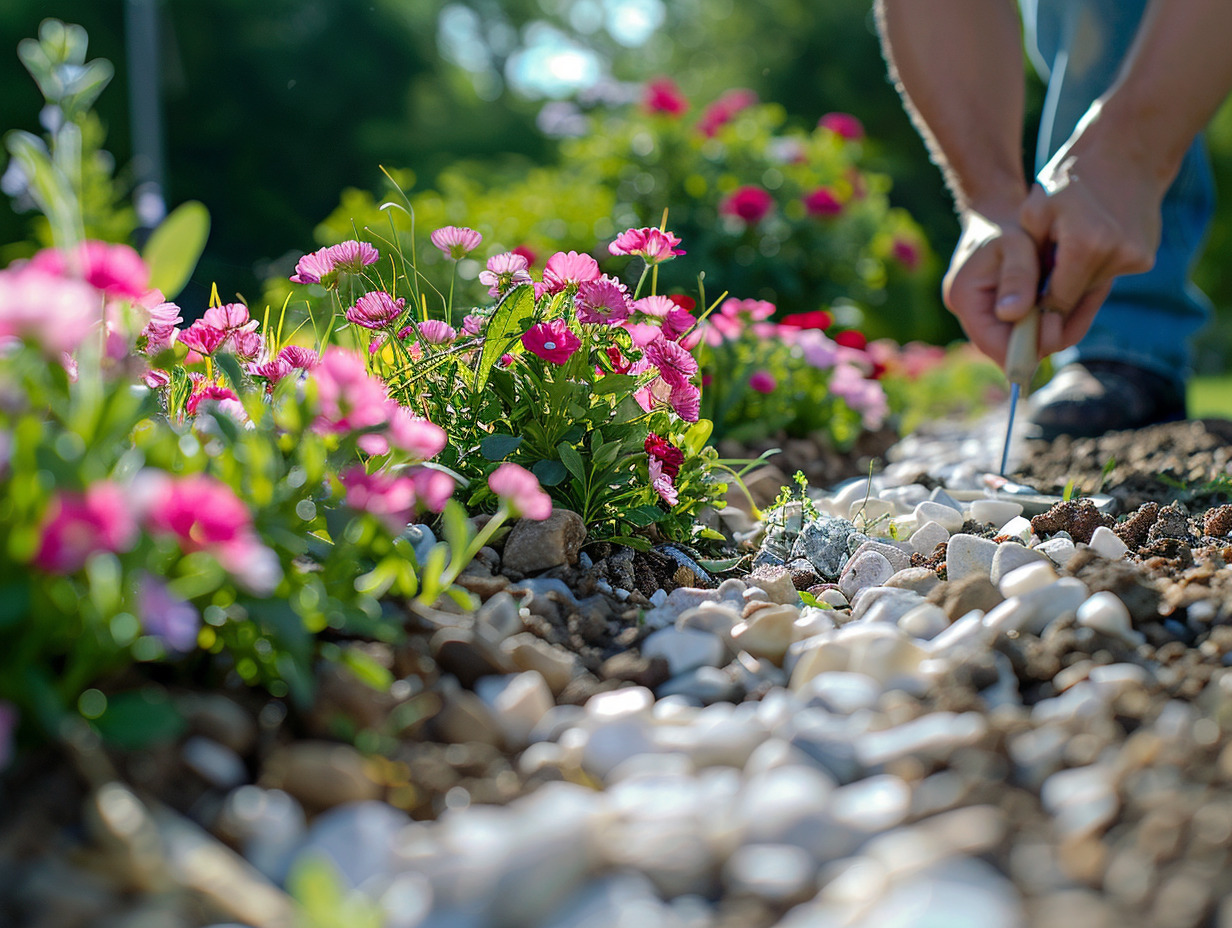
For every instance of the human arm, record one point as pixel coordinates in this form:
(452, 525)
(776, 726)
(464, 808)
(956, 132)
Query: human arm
(1099, 197)
(958, 65)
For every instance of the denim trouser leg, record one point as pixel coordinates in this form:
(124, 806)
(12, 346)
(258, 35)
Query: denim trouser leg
(1148, 319)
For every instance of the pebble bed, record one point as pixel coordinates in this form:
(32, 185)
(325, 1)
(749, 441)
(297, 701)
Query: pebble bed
(981, 718)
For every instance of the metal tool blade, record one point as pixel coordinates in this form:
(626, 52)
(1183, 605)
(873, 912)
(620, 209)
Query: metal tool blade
(1009, 427)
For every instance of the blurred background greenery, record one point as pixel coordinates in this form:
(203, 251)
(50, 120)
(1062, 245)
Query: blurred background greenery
(273, 109)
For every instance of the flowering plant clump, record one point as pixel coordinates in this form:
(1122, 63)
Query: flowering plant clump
(565, 373)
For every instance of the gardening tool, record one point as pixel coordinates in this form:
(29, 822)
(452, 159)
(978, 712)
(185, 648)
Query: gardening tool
(1022, 354)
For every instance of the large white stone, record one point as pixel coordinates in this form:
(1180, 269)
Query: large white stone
(925, 621)
(1010, 557)
(994, 511)
(948, 517)
(1017, 527)
(868, 570)
(925, 538)
(1059, 550)
(1026, 578)
(767, 633)
(685, 649)
(966, 555)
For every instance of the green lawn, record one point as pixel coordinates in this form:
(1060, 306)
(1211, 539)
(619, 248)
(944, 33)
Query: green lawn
(1211, 396)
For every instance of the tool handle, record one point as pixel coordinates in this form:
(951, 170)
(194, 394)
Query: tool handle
(1022, 355)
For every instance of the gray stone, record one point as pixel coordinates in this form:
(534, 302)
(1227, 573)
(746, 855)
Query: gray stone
(517, 702)
(899, 559)
(777, 873)
(267, 824)
(705, 684)
(319, 774)
(777, 583)
(215, 763)
(948, 517)
(841, 692)
(823, 543)
(995, 512)
(884, 604)
(916, 579)
(1010, 557)
(685, 649)
(926, 538)
(359, 839)
(868, 570)
(938, 495)
(557, 665)
(536, 546)
(925, 621)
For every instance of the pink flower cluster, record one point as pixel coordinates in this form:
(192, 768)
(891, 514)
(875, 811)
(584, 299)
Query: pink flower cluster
(456, 241)
(80, 524)
(519, 489)
(663, 96)
(226, 326)
(749, 203)
(721, 111)
(504, 272)
(56, 312)
(397, 498)
(326, 264)
(654, 246)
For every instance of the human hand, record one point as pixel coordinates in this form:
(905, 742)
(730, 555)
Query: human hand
(993, 277)
(1101, 212)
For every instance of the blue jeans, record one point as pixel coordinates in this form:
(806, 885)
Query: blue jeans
(1148, 319)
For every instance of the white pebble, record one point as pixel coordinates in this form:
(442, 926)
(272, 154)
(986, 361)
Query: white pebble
(1017, 527)
(1027, 578)
(1058, 550)
(947, 517)
(925, 538)
(1104, 542)
(1105, 613)
(870, 569)
(966, 555)
(685, 649)
(925, 621)
(994, 511)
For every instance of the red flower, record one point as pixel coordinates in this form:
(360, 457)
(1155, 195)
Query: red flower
(851, 339)
(663, 96)
(665, 453)
(822, 202)
(749, 203)
(526, 253)
(687, 303)
(721, 111)
(816, 319)
(763, 382)
(843, 124)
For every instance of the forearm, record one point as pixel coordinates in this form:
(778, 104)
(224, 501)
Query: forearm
(1173, 80)
(958, 66)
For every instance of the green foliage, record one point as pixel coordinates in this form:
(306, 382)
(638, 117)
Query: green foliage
(175, 247)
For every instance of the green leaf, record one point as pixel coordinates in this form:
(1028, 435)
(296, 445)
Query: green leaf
(614, 383)
(643, 515)
(718, 566)
(630, 541)
(175, 247)
(572, 460)
(550, 473)
(367, 669)
(697, 434)
(456, 528)
(511, 319)
(139, 719)
(497, 447)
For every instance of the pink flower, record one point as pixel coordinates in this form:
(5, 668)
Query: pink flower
(750, 203)
(843, 124)
(675, 365)
(53, 311)
(303, 358)
(416, 436)
(375, 310)
(763, 381)
(433, 332)
(670, 457)
(116, 270)
(474, 324)
(156, 378)
(677, 323)
(822, 202)
(202, 337)
(662, 483)
(8, 725)
(164, 313)
(864, 396)
(686, 401)
(349, 398)
(433, 488)
(229, 317)
(79, 524)
(643, 333)
(658, 306)
(206, 390)
(604, 301)
(553, 341)
(456, 241)
(172, 620)
(352, 257)
(504, 272)
(683, 399)
(721, 111)
(651, 245)
(324, 265)
(389, 497)
(663, 96)
(246, 345)
(565, 268)
(519, 489)
(272, 370)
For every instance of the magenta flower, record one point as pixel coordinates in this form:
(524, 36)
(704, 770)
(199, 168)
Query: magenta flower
(271, 371)
(246, 345)
(822, 202)
(156, 378)
(206, 390)
(116, 270)
(202, 337)
(752, 204)
(565, 268)
(504, 272)
(662, 483)
(842, 124)
(762, 382)
(519, 489)
(603, 301)
(686, 401)
(456, 241)
(553, 341)
(474, 324)
(721, 111)
(643, 333)
(658, 306)
(172, 620)
(416, 436)
(675, 364)
(651, 245)
(375, 310)
(324, 265)
(53, 311)
(683, 399)
(389, 497)
(663, 96)
(865, 396)
(8, 725)
(433, 488)
(906, 252)
(79, 524)
(303, 358)
(677, 323)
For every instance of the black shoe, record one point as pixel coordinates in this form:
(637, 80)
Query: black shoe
(1090, 398)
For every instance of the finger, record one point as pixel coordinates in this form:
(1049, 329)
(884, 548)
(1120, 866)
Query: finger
(1019, 278)
(1058, 332)
(1035, 216)
(1081, 258)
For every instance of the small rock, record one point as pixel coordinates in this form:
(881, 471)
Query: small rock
(518, 702)
(966, 555)
(925, 621)
(823, 543)
(1109, 616)
(1059, 550)
(777, 582)
(842, 692)
(1078, 517)
(219, 718)
(706, 684)
(498, 618)
(868, 570)
(537, 546)
(884, 604)
(1104, 541)
(767, 633)
(467, 656)
(217, 764)
(994, 511)
(1027, 578)
(899, 559)
(465, 718)
(916, 579)
(964, 596)
(631, 667)
(1017, 527)
(948, 517)
(778, 873)
(925, 539)
(267, 824)
(685, 649)
(360, 840)
(319, 774)
(555, 664)
(1010, 557)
